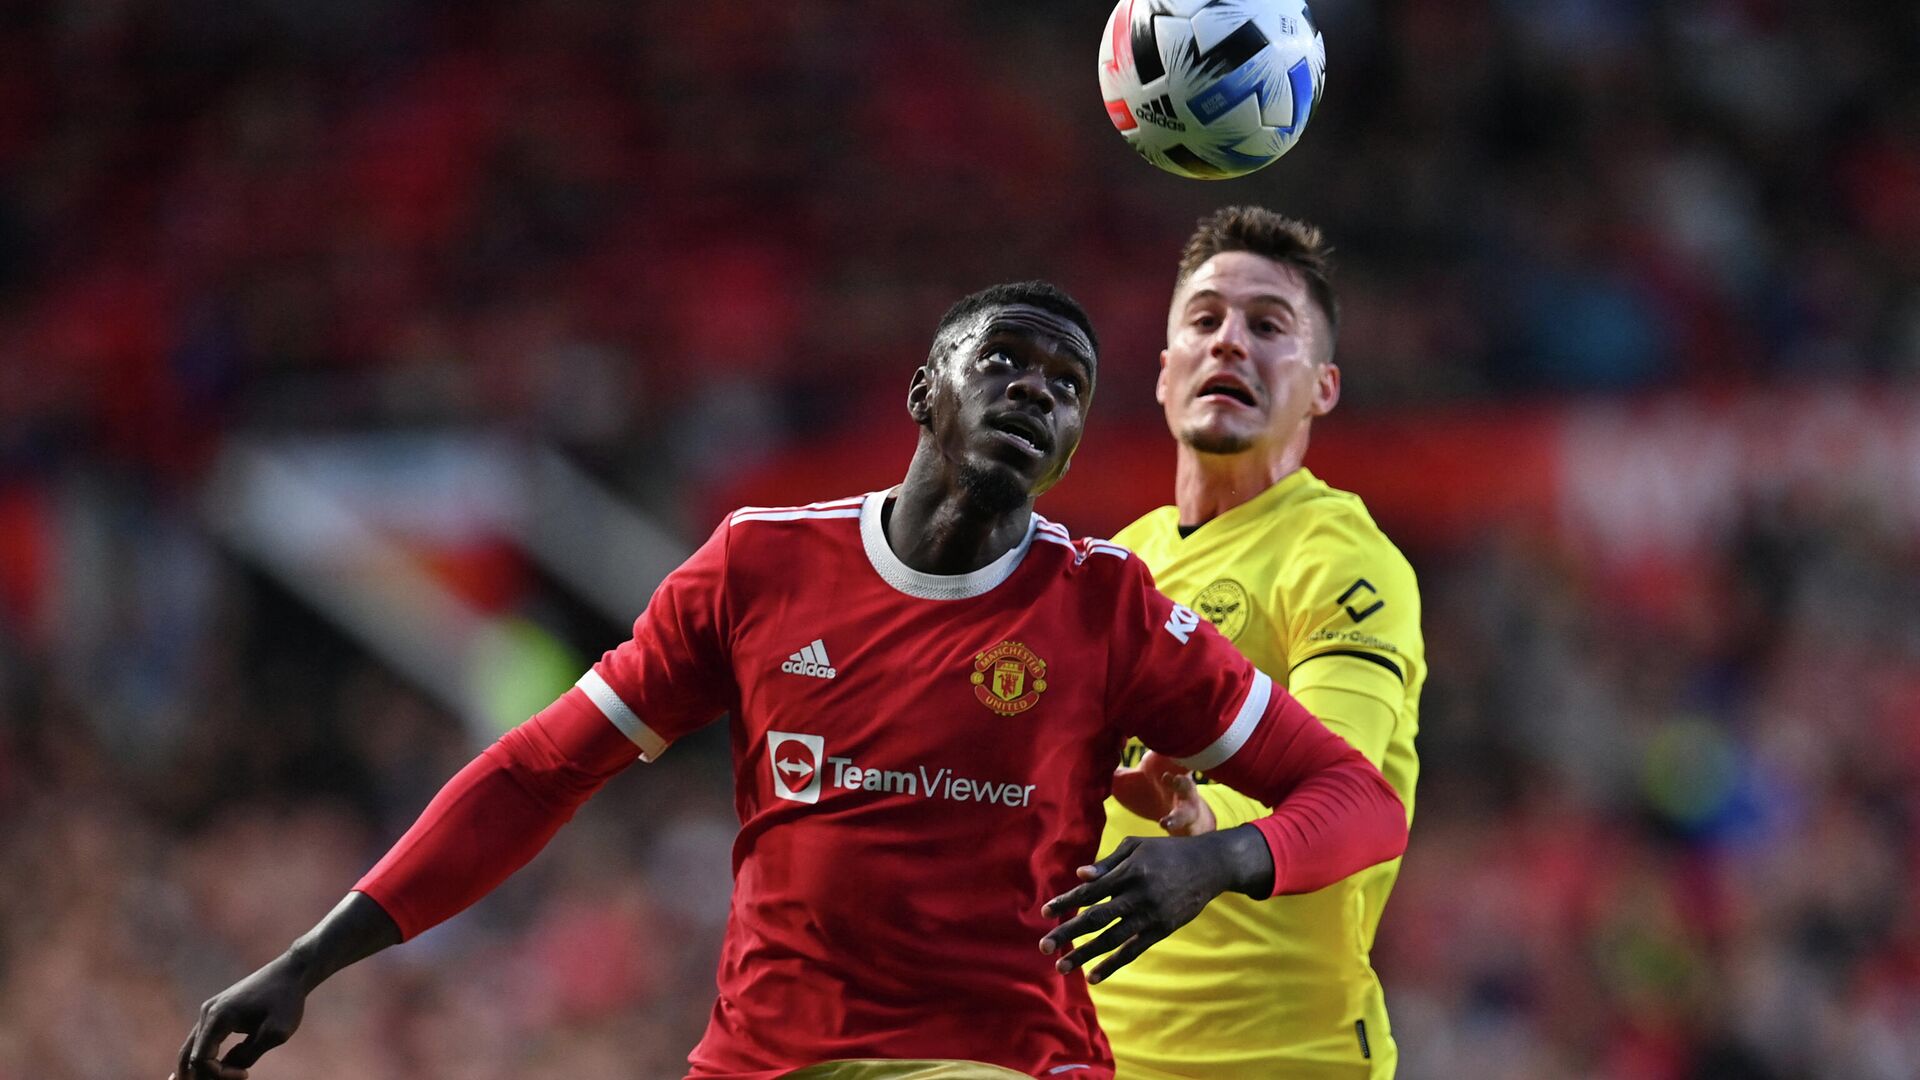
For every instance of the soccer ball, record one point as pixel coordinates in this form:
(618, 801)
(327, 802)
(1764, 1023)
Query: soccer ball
(1211, 89)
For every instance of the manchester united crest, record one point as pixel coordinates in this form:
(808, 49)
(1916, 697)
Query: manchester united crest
(1008, 678)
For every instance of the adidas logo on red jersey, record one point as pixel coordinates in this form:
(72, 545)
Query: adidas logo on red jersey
(811, 661)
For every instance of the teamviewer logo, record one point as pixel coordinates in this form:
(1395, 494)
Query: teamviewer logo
(796, 761)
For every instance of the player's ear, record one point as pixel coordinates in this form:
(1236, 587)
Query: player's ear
(1326, 388)
(1160, 381)
(920, 397)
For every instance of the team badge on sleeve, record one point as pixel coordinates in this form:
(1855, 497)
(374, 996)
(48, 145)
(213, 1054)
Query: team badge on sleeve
(1008, 678)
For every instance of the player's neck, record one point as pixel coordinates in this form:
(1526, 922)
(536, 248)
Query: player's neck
(1208, 485)
(937, 528)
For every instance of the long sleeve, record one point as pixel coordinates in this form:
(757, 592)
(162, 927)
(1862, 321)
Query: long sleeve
(1365, 722)
(1334, 814)
(497, 813)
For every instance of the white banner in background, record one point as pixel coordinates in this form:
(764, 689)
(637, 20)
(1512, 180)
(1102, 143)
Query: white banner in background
(1671, 474)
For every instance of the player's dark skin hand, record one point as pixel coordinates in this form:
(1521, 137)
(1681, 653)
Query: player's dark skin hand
(1149, 887)
(266, 1006)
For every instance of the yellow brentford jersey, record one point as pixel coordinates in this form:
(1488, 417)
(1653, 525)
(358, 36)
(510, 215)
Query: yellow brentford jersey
(1303, 581)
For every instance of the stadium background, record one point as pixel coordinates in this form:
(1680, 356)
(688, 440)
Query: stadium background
(362, 365)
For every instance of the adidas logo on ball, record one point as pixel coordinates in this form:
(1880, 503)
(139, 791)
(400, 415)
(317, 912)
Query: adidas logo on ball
(811, 661)
(1160, 111)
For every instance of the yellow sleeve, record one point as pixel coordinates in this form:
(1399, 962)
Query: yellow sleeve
(1353, 630)
(1358, 700)
(1351, 704)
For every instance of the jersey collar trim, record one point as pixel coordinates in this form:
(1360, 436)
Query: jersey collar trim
(1276, 495)
(926, 586)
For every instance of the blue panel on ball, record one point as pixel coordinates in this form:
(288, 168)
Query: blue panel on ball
(1300, 77)
(1236, 86)
(1237, 161)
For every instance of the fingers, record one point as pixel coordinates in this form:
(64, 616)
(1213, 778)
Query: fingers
(1140, 792)
(1128, 951)
(208, 1034)
(1111, 859)
(1061, 937)
(198, 1059)
(1106, 941)
(1078, 927)
(182, 1070)
(244, 1055)
(1190, 815)
(1096, 885)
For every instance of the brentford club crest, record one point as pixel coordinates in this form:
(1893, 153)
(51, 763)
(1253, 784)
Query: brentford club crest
(1008, 678)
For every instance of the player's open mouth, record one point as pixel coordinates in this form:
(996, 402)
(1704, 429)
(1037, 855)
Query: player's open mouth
(1226, 386)
(1026, 434)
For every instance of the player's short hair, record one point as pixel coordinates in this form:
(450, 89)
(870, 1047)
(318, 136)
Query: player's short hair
(1041, 294)
(1271, 235)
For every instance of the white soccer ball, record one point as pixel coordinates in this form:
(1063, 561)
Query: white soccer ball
(1211, 89)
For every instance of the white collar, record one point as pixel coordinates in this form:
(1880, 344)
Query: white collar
(873, 536)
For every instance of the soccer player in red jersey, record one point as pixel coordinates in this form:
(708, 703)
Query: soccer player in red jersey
(929, 689)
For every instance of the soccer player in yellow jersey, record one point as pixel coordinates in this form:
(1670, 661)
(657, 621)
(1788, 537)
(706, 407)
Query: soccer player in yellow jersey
(1300, 578)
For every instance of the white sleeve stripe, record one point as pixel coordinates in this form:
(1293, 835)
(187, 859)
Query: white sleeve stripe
(615, 710)
(794, 515)
(853, 500)
(1237, 733)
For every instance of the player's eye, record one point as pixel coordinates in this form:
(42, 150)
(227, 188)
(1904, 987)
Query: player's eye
(1069, 383)
(997, 358)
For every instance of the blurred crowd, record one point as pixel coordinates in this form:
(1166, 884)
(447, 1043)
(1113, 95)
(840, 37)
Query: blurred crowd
(641, 223)
(1660, 840)
(1668, 841)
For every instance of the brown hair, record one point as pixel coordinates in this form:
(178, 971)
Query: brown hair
(1271, 235)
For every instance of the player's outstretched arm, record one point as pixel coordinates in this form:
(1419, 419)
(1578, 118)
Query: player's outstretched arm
(267, 1005)
(494, 816)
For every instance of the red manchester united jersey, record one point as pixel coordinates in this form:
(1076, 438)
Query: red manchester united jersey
(920, 762)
